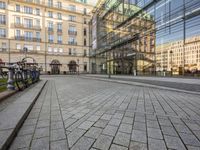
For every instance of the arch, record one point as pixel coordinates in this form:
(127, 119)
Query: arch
(55, 66)
(72, 66)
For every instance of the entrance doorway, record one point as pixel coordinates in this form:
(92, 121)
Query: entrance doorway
(72, 66)
(55, 67)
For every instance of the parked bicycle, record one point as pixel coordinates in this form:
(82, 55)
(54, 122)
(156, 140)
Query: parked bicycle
(24, 74)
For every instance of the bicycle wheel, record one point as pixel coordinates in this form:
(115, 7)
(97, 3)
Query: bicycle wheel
(19, 80)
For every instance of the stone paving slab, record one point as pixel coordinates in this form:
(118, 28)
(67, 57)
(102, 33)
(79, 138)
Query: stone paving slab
(82, 114)
(13, 115)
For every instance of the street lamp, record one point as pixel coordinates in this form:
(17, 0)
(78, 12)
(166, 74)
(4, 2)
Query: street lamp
(78, 65)
(171, 52)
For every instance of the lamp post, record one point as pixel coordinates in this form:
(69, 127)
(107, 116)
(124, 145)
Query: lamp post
(78, 65)
(171, 52)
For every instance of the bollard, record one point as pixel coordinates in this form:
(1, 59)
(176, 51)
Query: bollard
(10, 81)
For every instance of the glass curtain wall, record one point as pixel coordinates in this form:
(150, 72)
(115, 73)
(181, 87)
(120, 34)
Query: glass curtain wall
(148, 37)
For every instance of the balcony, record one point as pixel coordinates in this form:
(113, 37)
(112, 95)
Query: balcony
(59, 42)
(72, 32)
(25, 26)
(50, 41)
(59, 31)
(50, 29)
(22, 38)
(2, 35)
(72, 43)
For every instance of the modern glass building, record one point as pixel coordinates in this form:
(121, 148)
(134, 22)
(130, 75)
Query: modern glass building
(146, 37)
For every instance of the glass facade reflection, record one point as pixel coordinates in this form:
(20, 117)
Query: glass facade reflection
(146, 37)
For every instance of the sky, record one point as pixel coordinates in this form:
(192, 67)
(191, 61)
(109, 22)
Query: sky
(93, 2)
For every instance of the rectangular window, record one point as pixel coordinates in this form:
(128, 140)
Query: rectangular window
(50, 14)
(59, 4)
(59, 15)
(85, 52)
(59, 27)
(50, 26)
(38, 47)
(71, 18)
(18, 34)
(18, 46)
(37, 10)
(17, 20)
(2, 19)
(59, 39)
(29, 47)
(49, 49)
(74, 52)
(28, 10)
(38, 36)
(51, 38)
(85, 11)
(2, 32)
(85, 66)
(72, 30)
(17, 8)
(85, 42)
(60, 50)
(50, 3)
(70, 51)
(28, 23)
(72, 41)
(28, 36)
(2, 5)
(4, 46)
(85, 21)
(72, 8)
(37, 23)
(85, 32)
(55, 50)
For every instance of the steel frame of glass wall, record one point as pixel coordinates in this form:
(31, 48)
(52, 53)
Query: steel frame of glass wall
(134, 36)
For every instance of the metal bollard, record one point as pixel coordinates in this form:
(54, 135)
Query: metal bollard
(10, 81)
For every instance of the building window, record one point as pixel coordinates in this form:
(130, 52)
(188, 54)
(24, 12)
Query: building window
(85, 32)
(50, 3)
(2, 32)
(28, 23)
(4, 46)
(18, 46)
(50, 14)
(28, 35)
(29, 47)
(59, 39)
(37, 23)
(50, 26)
(85, 52)
(70, 51)
(74, 52)
(18, 34)
(17, 20)
(2, 5)
(59, 27)
(2, 19)
(85, 21)
(72, 7)
(72, 41)
(55, 50)
(59, 4)
(17, 8)
(51, 38)
(38, 36)
(38, 47)
(85, 11)
(28, 10)
(37, 10)
(59, 15)
(85, 42)
(60, 50)
(71, 18)
(49, 49)
(72, 30)
(85, 66)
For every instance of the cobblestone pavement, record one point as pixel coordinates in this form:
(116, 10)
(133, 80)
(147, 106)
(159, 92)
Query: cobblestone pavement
(80, 114)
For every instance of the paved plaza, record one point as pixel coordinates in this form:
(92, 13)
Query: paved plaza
(80, 114)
